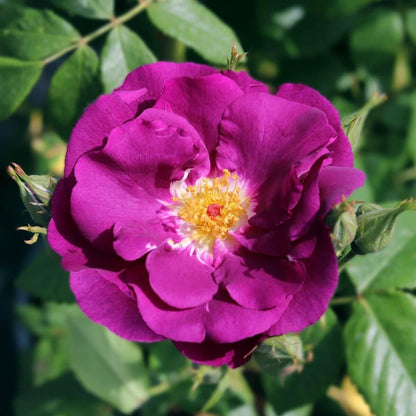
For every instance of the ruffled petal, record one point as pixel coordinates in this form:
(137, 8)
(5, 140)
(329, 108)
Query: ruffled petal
(270, 141)
(259, 282)
(336, 182)
(153, 78)
(340, 149)
(312, 300)
(176, 324)
(202, 101)
(212, 353)
(102, 116)
(105, 304)
(247, 84)
(179, 278)
(65, 238)
(125, 182)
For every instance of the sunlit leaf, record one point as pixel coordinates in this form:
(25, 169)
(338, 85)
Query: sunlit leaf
(35, 34)
(17, 80)
(123, 51)
(380, 345)
(106, 365)
(196, 26)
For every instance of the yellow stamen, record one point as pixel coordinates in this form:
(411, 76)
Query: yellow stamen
(212, 207)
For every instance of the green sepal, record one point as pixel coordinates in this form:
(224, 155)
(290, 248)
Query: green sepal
(376, 224)
(354, 123)
(36, 192)
(342, 221)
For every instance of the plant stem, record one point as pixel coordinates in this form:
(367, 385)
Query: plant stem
(100, 31)
(344, 260)
(342, 300)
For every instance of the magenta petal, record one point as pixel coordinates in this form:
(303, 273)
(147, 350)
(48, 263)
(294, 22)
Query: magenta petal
(134, 240)
(259, 282)
(270, 141)
(102, 116)
(340, 149)
(310, 303)
(336, 182)
(179, 278)
(245, 82)
(212, 353)
(227, 322)
(179, 325)
(202, 101)
(105, 304)
(153, 78)
(65, 238)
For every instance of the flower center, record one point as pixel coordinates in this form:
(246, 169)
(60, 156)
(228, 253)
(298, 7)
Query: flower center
(212, 207)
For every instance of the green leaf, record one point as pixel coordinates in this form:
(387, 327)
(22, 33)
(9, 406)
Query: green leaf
(74, 85)
(62, 397)
(45, 278)
(106, 365)
(17, 80)
(300, 388)
(123, 51)
(378, 37)
(94, 9)
(35, 34)
(50, 359)
(380, 342)
(376, 225)
(196, 26)
(393, 267)
(411, 23)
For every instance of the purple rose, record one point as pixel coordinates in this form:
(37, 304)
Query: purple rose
(192, 209)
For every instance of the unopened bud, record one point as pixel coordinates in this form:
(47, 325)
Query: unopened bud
(36, 192)
(376, 224)
(343, 223)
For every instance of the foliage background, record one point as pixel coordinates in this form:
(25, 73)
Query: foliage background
(346, 50)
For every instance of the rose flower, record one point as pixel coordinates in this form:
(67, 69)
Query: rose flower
(192, 206)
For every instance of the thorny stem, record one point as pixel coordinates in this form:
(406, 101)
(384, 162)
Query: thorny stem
(114, 22)
(344, 260)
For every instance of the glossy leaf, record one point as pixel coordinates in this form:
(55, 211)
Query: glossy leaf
(123, 51)
(44, 278)
(17, 80)
(393, 267)
(196, 26)
(94, 9)
(74, 85)
(35, 34)
(320, 369)
(380, 347)
(106, 365)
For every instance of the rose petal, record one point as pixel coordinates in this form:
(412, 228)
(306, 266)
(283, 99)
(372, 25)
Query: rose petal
(312, 300)
(102, 116)
(259, 282)
(336, 182)
(124, 182)
(212, 353)
(245, 82)
(179, 278)
(179, 325)
(153, 78)
(105, 304)
(340, 149)
(65, 238)
(270, 141)
(202, 101)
